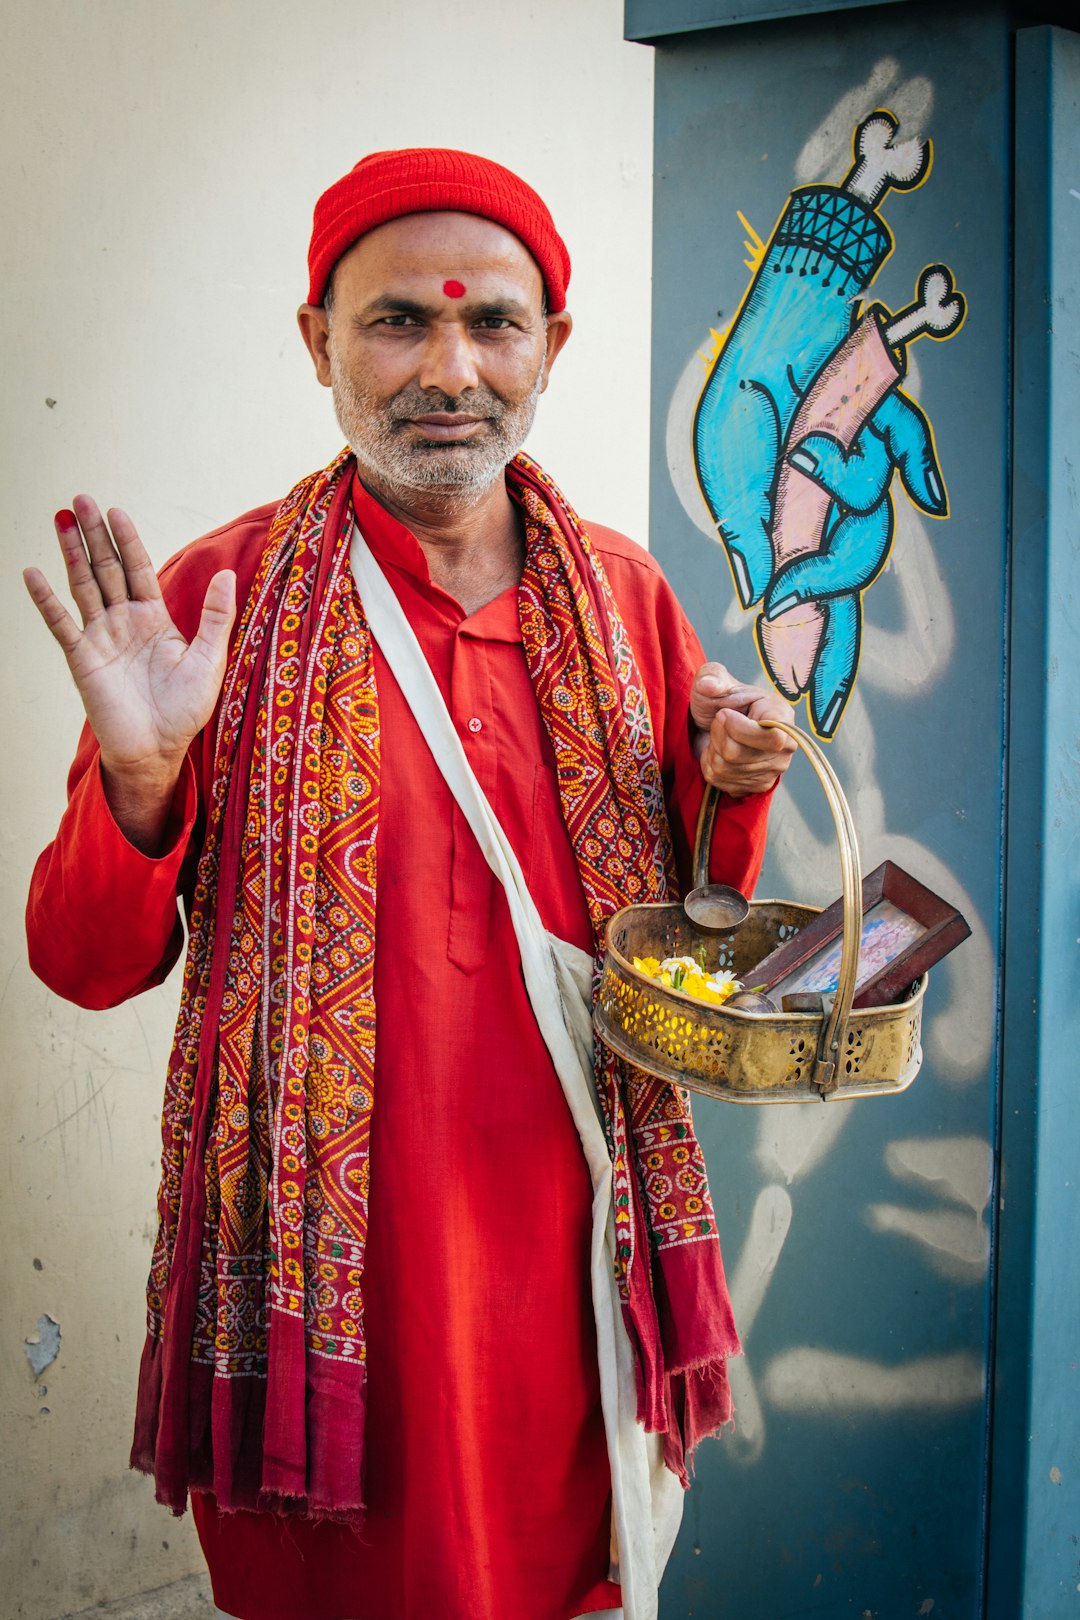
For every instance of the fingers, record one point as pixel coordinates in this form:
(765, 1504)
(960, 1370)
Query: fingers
(140, 578)
(910, 443)
(108, 571)
(103, 568)
(52, 610)
(856, 479)
(736, 444)
(741, 757)
(855, 555)
(218, 612)
(740, 780)
(82, 582)
(716, 688)
(834, 672)
(735, 737)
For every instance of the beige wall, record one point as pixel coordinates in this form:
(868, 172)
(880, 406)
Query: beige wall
(161, 162)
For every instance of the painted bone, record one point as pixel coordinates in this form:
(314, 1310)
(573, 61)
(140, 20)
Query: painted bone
(845, 393)
(881, 164)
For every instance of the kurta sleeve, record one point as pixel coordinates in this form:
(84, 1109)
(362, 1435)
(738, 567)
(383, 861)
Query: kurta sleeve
(102, 922)
(669, 656)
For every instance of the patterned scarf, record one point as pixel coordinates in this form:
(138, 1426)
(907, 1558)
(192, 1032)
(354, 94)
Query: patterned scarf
(252, 1380)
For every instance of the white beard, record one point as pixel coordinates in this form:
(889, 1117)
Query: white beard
(462, 471)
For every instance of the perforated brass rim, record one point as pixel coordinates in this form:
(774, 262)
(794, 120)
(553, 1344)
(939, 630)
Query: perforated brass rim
(754, 1057)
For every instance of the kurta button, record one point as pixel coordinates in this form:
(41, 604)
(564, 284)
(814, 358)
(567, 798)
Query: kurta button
(475, 724)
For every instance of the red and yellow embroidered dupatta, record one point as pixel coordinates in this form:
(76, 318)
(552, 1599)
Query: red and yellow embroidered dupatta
(252, 1380)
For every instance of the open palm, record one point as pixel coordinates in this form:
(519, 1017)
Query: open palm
(146, 690)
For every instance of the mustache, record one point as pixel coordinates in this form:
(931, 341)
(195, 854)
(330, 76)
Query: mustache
(414, 401)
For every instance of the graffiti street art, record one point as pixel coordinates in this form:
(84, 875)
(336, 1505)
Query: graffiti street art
(799, 484)
(802, 422)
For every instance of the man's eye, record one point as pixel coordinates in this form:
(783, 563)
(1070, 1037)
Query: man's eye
(398, 320)
(493, 323)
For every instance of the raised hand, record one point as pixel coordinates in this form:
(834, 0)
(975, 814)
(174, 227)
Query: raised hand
(738, 755)
(147, 692)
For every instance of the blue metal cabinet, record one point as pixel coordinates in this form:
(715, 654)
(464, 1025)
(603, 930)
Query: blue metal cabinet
(891, 535)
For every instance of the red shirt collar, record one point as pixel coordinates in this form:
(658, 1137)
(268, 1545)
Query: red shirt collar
(399, 553)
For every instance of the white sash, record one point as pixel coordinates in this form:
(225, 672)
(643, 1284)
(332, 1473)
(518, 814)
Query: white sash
(646, 1496)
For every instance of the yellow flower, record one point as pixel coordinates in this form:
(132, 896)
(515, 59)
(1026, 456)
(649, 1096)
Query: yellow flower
(683, 973)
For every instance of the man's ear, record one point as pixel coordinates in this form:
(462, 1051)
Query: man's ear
(559, 328)
(314, 325)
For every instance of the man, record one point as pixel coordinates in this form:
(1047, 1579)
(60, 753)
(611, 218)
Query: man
(431, 1414)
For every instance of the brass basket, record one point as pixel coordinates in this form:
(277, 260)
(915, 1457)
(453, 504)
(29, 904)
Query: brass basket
(755, 1057)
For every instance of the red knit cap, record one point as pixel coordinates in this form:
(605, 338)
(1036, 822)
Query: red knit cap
(424, 180)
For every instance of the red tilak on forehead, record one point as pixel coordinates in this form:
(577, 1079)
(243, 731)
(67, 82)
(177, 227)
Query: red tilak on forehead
(454, 289)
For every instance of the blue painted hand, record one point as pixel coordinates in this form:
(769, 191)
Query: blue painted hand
(801, 423)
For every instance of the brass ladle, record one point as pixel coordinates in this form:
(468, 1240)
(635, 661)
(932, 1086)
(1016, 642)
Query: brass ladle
(715, 907)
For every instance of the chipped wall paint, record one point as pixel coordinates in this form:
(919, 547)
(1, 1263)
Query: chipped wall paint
(43, 1346)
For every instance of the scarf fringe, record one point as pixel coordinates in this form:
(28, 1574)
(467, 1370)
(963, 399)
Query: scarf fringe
(699, 1400)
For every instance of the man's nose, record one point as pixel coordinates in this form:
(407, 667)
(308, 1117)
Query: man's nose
(449, 361)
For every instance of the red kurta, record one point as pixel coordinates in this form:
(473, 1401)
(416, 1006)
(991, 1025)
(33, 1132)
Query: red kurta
(487, 1481)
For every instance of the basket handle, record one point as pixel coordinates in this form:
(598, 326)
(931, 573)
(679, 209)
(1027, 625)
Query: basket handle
(826, 1076)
